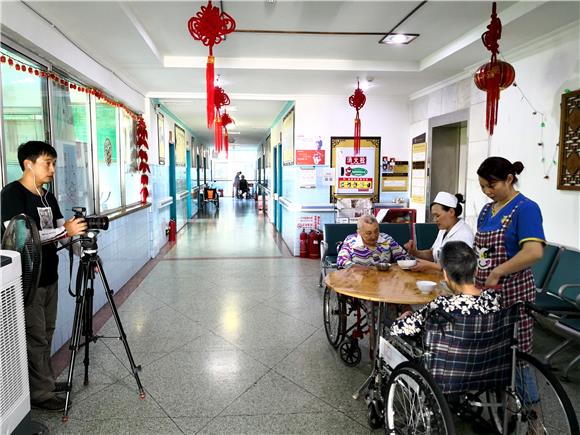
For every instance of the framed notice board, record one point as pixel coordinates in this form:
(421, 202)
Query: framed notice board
(356, 176)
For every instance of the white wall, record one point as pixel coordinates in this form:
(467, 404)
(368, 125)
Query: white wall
(542, 73)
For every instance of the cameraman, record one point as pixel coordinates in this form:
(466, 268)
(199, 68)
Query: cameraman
(38, 163)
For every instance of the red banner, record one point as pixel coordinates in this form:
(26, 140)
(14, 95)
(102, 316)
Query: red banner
(309, 157)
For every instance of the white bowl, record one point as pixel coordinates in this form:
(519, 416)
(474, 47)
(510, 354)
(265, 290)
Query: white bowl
(426, 286)
(406, 264)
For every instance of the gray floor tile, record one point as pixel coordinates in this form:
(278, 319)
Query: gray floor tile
(324, 423)
(201, 384)
(274, 394)
(118, 426)
(264, 327)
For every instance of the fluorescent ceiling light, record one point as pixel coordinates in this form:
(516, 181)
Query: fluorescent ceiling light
(233, 132)
(398, 38)
(230, 108)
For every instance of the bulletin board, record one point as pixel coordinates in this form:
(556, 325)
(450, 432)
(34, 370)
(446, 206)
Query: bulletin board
(288, 139)
(356, 176)
(180, 146)
(395, 175)
(418, 171)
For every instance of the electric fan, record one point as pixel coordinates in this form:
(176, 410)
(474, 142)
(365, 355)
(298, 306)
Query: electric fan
(19, 276)
(22, 236)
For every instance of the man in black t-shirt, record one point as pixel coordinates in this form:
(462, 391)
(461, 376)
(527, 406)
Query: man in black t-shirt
(27, 195)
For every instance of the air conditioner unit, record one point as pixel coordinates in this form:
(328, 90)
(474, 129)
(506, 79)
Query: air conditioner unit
(14, 391)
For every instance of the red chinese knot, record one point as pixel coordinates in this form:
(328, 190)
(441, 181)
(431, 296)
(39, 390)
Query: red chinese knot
(495, 75)
(357, 100)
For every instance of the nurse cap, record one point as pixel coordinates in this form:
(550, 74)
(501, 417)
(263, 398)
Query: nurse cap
(446, 199)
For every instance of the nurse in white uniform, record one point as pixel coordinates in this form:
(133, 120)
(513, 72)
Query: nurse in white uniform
(445, 210)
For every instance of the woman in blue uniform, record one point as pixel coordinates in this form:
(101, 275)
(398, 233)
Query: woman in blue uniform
(509, 240)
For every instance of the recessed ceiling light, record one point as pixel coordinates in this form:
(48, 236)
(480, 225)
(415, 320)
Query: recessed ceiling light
(398, 38)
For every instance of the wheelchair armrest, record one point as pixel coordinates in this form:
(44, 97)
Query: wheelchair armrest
(530, 308)
(323, 250)
(562, 291)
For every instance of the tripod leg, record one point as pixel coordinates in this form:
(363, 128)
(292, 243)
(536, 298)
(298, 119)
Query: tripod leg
(109, 293)
(88, 321)
(81, 286)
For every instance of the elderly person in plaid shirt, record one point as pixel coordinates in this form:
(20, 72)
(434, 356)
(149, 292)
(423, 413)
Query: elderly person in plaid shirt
(368, 246)
(459, 262)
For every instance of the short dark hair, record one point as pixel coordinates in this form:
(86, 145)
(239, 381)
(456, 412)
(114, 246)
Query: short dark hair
(498, 169)
(459, 260)
(458, 209)
(33, 149)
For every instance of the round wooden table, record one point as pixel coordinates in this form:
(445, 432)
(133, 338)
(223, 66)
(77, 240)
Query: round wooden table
(394, 286)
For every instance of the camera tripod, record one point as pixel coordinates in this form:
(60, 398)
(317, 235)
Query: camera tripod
(90, 264)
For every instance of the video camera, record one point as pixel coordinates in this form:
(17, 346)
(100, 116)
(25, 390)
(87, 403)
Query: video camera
(94, 222)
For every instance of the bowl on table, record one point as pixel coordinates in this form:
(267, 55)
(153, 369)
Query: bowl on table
(406, 264)
(426, 287)
(383, 267)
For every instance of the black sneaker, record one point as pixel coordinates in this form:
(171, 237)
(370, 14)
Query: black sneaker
(52, 404)
(60, 387)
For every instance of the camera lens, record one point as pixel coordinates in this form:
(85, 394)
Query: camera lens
(97, 222)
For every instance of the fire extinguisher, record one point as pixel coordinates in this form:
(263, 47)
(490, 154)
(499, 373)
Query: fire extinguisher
(314, 244)
(172, 230)
(303, 244)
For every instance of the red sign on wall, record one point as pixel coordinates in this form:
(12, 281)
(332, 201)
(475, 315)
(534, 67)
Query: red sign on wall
(356, 160)
(309, 157)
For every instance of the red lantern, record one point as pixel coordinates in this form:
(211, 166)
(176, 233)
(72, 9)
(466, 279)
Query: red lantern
(357, 100)
(226, 119)
(210, 26)
(495, 75)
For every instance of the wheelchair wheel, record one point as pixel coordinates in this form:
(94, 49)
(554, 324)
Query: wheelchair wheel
(334, 312)
(539, 406)
(350, 352)
(414, 403)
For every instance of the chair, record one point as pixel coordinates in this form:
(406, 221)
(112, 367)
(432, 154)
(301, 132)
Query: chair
(544, 268)
(560, 298)
(425, 235)
(334, 235)
(400, 232)
(554, 296)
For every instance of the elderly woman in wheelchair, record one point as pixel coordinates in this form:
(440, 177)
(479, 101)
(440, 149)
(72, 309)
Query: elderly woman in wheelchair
(458, 356)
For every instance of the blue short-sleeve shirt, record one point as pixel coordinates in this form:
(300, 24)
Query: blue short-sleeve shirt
(526, 224)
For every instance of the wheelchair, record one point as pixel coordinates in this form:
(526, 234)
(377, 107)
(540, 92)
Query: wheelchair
(469, 367)
(345, 323)
(211, 195)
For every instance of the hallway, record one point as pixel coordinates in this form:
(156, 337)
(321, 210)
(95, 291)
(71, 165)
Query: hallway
(228, 329)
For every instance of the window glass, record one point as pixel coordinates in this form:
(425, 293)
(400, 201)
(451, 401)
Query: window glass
(71, 138)
(108, 157)
(132, 181)
(24, 102)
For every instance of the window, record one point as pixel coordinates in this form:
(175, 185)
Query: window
(24, 103)
(108, 157)
(132, 176)
(71, 139)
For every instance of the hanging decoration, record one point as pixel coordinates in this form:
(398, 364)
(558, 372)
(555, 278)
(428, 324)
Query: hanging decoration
(142, 153)
(210, 25)
(221, 99)
(495, 75)
(225, 120)
(357, 100)
(64, 82)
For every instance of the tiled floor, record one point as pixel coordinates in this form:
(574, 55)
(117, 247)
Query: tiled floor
(228, 330)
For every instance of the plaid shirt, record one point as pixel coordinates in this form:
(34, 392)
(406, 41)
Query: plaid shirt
(354, 251)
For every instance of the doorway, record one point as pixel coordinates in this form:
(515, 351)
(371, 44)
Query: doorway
(448, 165)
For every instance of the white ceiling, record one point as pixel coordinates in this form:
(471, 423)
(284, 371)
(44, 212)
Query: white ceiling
(139, 40)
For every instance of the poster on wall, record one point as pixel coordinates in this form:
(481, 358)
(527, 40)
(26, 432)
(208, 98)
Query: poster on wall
(161, 138)
(288, 139)
(308, 222)
(418, 172)
(356, 175)
(107, 134)
(310, 151)
(179, 146)
(307, 177)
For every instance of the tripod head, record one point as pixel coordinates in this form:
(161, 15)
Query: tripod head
(88, 242)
